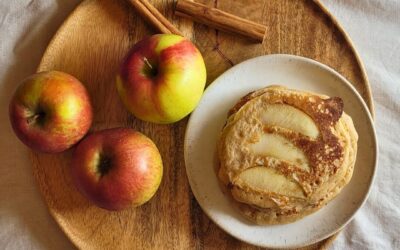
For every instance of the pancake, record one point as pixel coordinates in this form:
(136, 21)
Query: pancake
(284, 154)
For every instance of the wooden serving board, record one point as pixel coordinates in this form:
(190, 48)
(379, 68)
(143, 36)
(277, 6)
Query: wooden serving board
(90, 45)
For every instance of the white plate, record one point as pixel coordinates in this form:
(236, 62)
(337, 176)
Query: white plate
(206, 123)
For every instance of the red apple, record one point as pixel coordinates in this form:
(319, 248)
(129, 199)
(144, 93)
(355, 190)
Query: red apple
(50, 111)
(117, 168)
(162, 78)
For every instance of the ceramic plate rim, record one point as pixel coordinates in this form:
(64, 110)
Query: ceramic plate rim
(345, 83)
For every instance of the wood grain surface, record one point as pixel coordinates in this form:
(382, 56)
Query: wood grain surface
(90, 45)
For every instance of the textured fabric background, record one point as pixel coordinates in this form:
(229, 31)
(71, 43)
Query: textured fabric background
(26, 27)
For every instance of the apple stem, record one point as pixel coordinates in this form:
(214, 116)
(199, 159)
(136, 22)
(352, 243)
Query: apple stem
(147, 63)
(33, 119)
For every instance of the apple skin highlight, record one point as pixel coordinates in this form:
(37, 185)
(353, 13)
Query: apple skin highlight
(162, 78)
(50, 111)
(117, 168)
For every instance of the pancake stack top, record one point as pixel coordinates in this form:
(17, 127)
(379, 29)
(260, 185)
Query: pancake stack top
(284, 153)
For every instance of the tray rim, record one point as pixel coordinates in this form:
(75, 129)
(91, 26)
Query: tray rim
(369, 102)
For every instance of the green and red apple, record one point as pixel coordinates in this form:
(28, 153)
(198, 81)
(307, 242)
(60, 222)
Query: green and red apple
(162, 78)
(117, 168)
(50, 111)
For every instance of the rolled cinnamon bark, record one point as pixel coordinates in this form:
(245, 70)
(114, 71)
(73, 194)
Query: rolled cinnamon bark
(220, 20)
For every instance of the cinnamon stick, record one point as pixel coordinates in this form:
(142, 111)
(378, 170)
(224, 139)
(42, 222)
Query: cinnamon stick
(154, 17)
(220, 20)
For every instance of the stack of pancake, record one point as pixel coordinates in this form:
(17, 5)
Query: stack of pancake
(284, 154)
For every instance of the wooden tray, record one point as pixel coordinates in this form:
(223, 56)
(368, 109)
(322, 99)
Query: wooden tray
(90, 45)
